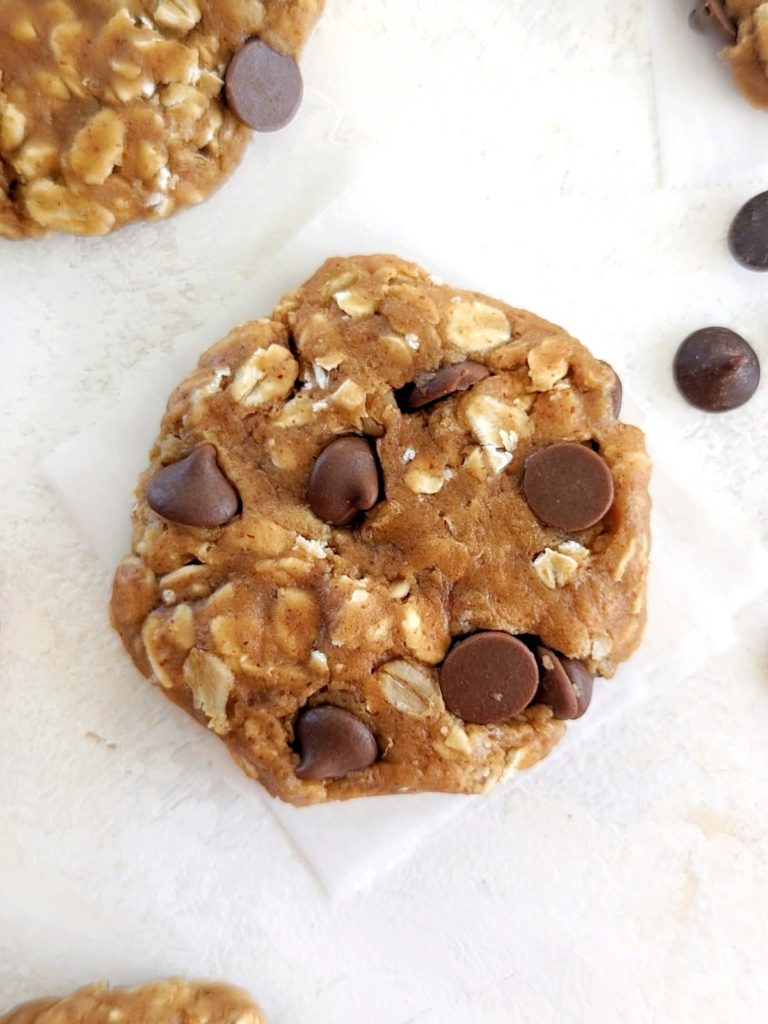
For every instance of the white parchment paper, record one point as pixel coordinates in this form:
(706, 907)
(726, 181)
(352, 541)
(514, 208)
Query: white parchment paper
(701, 573)
(708, 132)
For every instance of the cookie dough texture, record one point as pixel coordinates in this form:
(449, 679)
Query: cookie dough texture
(112, 110)
(748, 57)
(246, 624)
(160, 1002)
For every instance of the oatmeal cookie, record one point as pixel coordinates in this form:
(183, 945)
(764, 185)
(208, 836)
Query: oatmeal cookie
(113, 111)
(743, 25)
(157, 1003)
(748, 56)
(387, 537)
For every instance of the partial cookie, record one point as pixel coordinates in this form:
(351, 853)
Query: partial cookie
(387, 537)
(194, 1002)
(743, 25)
(113, 111)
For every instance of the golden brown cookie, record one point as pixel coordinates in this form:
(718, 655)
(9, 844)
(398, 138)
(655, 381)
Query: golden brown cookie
(387, 537)
(748, 56)
(743, 25)
(160, 1002)
(113, 111)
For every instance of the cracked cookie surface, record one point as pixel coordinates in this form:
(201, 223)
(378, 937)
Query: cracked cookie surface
(363, 607)
(194, 1002)
(113, 111)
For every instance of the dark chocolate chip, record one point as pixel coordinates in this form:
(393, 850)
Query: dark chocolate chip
(568, 485)
(263, 87)
(716, 369)
(488, 677)
(344, 481)
(748, 237)
(566, 684)
(448, 380)
(333, 743)
(617, 391)
(711, 17)
(193, 491)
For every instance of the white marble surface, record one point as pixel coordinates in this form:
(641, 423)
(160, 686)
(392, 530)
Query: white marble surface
(632, 878)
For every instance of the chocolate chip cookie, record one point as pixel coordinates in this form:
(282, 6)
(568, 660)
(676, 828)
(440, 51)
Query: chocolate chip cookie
(387, 537)
(742, 25)
(195, 1002)
(112, 112)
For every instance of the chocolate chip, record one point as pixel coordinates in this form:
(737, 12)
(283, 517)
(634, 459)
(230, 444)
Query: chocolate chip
(333, 743)
(568, 485)
(448, 380)
(566, 684)
(263, 87)
(716, 369)
(710, 16)
(344, 481)
(193, 491)
(617, 391)
(488, 677)
(748, 237)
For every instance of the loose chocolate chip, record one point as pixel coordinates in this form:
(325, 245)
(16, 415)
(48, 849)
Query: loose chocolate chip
(448, 380)
(566, 684)
(193, 491)
(568, 485)
(263, 87)
(489, 677)
(344, 481)
(716, 369)
(748, 237)
(710, 16)
(333, 743)
(617, 391)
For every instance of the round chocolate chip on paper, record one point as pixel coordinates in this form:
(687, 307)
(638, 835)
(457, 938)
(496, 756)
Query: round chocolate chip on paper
(568, 485)
(332, 743)
(566, 684)
(716, 369)
(344, 481)
(710, 16)
(448, 380)
(617, 391)
(488, 677)
(263, 87)
(748, 237)
(193, 491)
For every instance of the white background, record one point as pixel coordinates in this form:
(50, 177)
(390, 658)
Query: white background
(632, 878)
